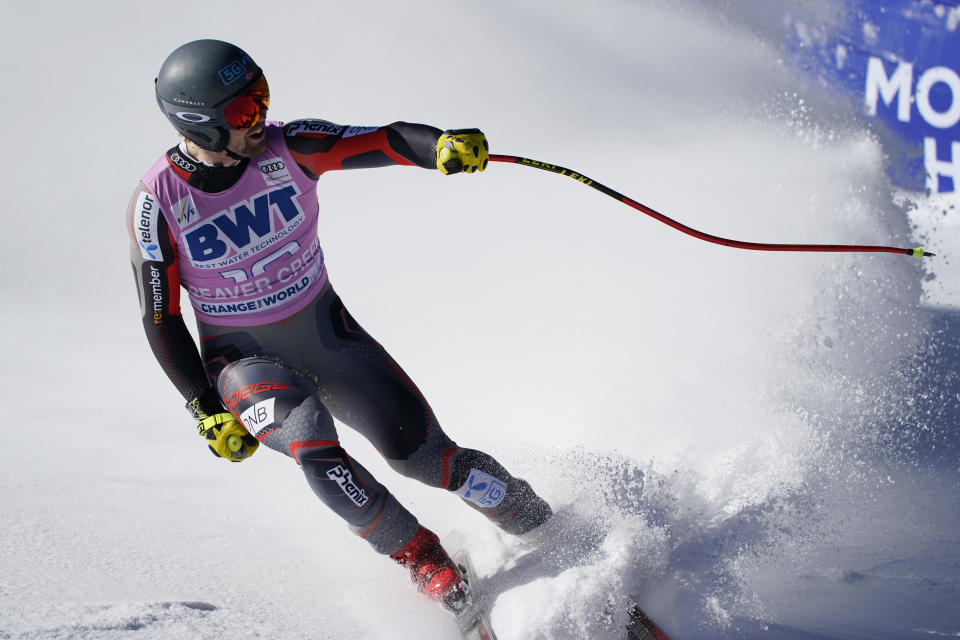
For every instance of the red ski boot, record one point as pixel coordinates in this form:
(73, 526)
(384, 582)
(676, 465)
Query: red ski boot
(432, 570)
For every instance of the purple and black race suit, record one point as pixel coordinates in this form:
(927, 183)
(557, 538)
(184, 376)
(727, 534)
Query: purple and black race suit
(278, 348)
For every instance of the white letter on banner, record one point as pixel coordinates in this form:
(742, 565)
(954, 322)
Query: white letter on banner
(930, 77)
(935, 167)
(897, 86)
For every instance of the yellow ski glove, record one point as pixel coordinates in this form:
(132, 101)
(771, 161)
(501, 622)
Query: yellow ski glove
(462, 150)
(227, 438)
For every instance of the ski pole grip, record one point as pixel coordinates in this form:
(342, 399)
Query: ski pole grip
(234, 443)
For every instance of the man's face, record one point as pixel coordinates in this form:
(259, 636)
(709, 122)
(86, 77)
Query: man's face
(249, 142)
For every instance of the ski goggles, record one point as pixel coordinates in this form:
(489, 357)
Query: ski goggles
(244, 111)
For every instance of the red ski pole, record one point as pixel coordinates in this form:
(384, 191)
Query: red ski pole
(917, 252)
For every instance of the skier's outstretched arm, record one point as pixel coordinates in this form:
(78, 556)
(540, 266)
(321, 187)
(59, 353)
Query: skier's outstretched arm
(320, 146)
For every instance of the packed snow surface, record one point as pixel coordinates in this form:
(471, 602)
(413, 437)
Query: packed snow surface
(750, 445)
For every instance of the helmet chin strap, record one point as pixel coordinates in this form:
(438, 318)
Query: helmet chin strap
(235, 156)
(185, 146)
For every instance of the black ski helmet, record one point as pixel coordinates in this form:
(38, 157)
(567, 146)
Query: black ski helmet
(195, 80)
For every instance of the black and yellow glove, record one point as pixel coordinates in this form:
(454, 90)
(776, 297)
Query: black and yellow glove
(227, 438)
(462, 150)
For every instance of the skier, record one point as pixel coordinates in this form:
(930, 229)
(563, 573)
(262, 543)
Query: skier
(231, 215)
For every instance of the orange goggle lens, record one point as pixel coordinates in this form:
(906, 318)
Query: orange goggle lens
(243, 111)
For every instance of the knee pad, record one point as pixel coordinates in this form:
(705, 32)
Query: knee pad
(277, 404)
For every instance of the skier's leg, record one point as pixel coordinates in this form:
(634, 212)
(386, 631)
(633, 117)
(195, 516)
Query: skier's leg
(478, 478)
(284, 409)
(279, 406)
(484, 484)
(365, 388)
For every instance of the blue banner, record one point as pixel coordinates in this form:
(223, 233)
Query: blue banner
(901, 60)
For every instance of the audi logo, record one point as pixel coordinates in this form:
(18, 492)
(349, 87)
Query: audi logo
(182, 163)
(273, 166)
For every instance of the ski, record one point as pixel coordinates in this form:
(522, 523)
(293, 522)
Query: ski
(472, 620)
(642, 627)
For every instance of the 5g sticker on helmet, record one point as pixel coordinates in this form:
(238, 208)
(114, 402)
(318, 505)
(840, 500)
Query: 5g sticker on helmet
(234, 70)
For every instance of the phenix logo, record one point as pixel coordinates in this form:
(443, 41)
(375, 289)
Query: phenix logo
(344, 478)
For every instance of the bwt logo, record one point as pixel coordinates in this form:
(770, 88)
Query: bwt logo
(243, 224)
(344, 478)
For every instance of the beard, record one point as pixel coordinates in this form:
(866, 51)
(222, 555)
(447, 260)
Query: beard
(249, 146)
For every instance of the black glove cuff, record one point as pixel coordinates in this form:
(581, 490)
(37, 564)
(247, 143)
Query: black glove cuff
(206, 404)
